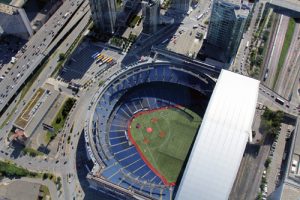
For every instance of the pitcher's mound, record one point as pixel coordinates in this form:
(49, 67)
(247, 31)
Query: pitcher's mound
(149, 130)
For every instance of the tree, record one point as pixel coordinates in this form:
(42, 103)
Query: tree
(267, 162)
(259, 60)
(61, 56)
(271, 121)
(265, 35)
(260, 50)
(45, 176)
(58, 120)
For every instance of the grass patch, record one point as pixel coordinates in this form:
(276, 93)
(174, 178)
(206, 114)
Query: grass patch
(45, 191)
(60, 119)
(24, 116)
(286, 45)
(133, 21)
(168, 143)
(8, 169)
(32, 152)
(25, 90)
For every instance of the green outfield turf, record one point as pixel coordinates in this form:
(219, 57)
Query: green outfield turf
(165, 147)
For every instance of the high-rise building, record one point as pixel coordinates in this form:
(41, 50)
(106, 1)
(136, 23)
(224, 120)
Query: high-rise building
(151, 13)
(226, 27)
(104, 14)
(181, 5)
(14, 21)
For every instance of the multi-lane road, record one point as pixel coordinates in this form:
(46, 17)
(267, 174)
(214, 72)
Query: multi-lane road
(290, 68)
(14, 75)
(84, 17)
(275, 51)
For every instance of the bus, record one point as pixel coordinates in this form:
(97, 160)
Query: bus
(109, 60)
(279, 100)
(200, 16)
(106, 59)
(100, 56)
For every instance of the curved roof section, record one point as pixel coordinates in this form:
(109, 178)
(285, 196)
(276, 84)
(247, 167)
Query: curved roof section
(221, 140)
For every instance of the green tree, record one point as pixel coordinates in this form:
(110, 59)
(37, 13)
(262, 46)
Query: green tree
(61, 56)
(268, 162)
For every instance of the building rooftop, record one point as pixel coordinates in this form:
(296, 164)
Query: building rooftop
(221, 140)
(7, 9)
(288, 4)
(242, 9)
(290, 192)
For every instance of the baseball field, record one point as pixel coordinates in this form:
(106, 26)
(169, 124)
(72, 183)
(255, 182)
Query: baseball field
(163, 137)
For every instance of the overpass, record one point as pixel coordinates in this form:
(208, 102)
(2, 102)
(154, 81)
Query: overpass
(190, 62)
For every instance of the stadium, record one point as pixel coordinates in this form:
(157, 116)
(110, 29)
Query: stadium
(140, 128)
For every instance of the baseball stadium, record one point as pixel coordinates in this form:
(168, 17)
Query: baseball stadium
(141, 126)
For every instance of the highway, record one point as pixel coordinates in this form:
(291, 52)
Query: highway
(34, 52)
(289, 71)
(39, 163)
(276, 50)
(49, 68)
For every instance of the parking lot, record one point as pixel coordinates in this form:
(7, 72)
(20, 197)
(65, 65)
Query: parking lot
(87, 62)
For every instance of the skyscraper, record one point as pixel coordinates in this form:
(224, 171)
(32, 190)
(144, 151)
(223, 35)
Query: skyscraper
(226, 26)
(151, 13)
(104, 14)
(181, 5)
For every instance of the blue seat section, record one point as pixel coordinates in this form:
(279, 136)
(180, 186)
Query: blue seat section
(114, 141)
(130, 159)
(149, 176)
(126, 110)
(152, 76)
(137, 104)
(114, 134)
(166, 194)
(142, 171)
(135, 165)
(146, 189)
(157, 180)
(118, 148)
(110, 171)
(118, 127)
(123, 154)
(160, 73)
(155, 191)
(152, 103)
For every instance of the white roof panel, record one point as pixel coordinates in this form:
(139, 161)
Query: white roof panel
(221, 140)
